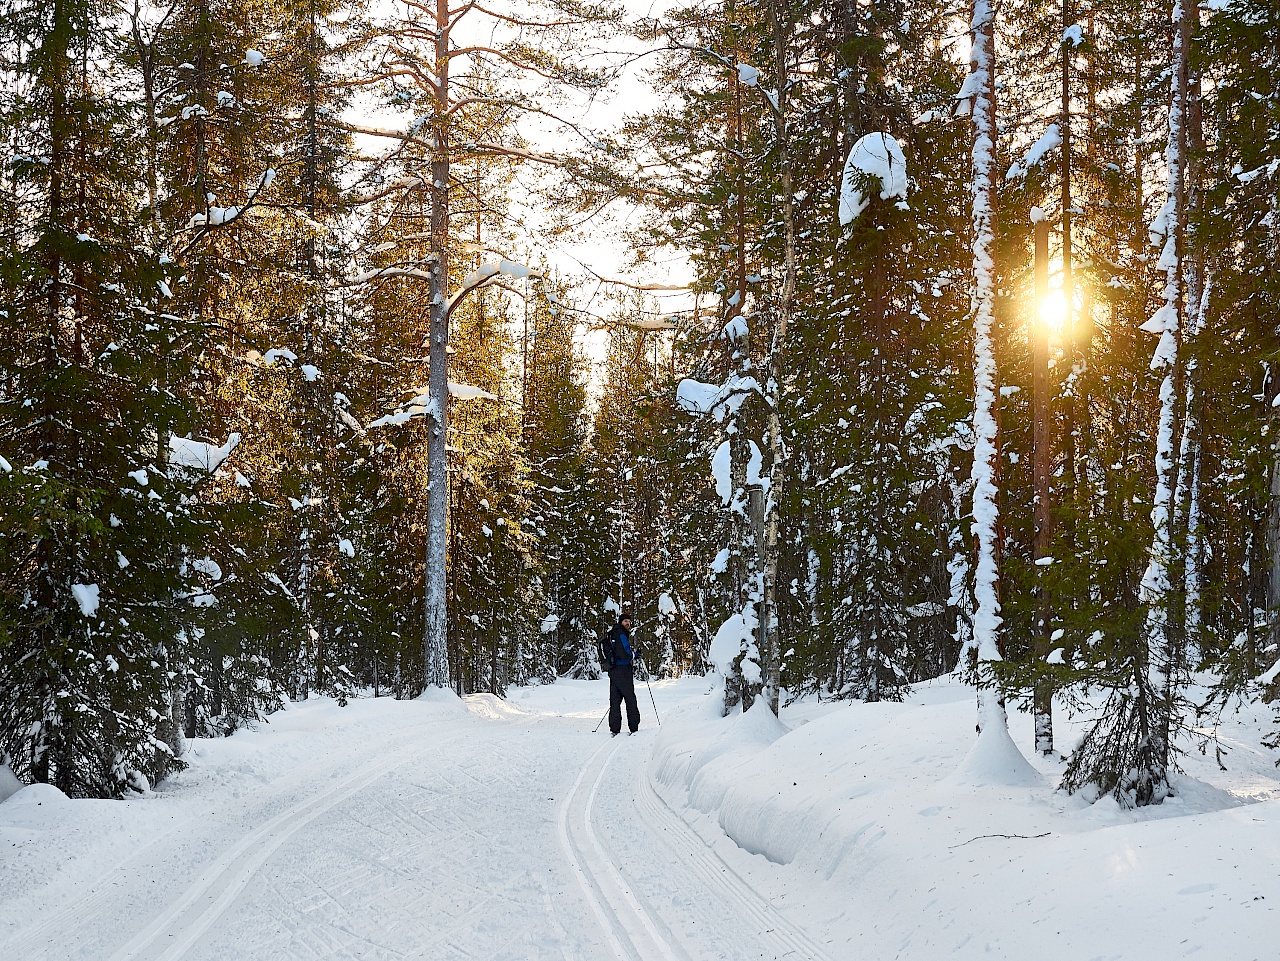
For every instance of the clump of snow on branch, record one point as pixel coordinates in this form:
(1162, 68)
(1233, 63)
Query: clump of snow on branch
(720, 563)
(1048, 141)
(695, 397)
(721, 462)
(755, 464)
(468, 392)
(279, 353)
(748, 74)
(86, 596)
(423, 405)
(216, 217)
(875, 160)
(486, 274)
(403, 416)
(208, 567)
(194, 455)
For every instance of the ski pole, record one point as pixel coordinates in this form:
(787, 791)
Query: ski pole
(650, 687)
(601, 721)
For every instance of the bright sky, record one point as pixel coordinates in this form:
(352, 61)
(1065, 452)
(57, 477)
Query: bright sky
(602, 249)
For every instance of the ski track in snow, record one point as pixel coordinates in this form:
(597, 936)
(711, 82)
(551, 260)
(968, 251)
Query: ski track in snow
(98, 907)
(441, 845)
(180, 927)
(631, 930)
(656, 888)
(789, 940)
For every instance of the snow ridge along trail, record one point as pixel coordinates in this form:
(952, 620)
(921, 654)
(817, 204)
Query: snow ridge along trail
(182, 924)
(788, 940)
(631, 930)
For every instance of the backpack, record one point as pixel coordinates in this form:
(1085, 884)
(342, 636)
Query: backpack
(604, 650)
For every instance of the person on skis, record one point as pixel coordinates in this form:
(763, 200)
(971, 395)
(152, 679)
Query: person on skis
(617, 655)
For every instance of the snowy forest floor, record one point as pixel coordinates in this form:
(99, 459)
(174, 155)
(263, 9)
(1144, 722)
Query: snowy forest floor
(484, 829)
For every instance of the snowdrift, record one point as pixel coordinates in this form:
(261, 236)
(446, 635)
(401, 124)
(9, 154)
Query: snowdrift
(897, 822)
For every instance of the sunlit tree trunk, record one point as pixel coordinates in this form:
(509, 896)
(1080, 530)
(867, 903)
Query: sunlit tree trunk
(436, 642)
(986, 618)
(1152, 784)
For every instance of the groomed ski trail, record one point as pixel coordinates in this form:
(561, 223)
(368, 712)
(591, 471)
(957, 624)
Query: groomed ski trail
(630, 929)
(788, 940)
(656, 888)
(179, 927)
(470, 831)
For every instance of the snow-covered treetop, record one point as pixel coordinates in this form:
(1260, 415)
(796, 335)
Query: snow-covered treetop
(875, 159)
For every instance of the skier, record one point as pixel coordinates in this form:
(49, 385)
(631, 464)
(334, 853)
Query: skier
(616, 656)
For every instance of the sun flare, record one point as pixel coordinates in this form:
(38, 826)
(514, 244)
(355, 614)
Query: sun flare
(1053, 310)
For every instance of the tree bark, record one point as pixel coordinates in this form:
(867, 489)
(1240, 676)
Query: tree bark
(986, 619)
(435, 645)
(1043, 694)
(1161, 641)
(776, 367)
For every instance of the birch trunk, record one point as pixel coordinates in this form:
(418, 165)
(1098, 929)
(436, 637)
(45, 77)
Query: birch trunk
(1152, 784)
(986, 619)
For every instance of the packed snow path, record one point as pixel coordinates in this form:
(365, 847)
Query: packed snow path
(423, 830)
(483, 829)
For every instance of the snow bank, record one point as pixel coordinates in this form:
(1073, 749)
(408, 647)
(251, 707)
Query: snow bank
(913, 839)
(995, 760)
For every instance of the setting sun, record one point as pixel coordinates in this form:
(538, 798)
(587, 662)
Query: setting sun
(1053, 310)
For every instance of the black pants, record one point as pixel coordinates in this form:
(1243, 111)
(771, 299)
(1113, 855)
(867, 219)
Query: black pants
(622, 686)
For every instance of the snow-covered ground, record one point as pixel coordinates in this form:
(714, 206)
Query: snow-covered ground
(442, 829)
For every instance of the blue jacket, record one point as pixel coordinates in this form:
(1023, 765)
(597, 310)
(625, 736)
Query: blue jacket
(616, 650)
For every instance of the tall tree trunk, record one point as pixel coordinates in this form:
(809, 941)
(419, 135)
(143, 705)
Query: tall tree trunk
(986, 618)
(1270, 393)
(1186, 511)
(777, 364)
(435, 645)
(1161, 642)
(1069, 427)
(1043, 694)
